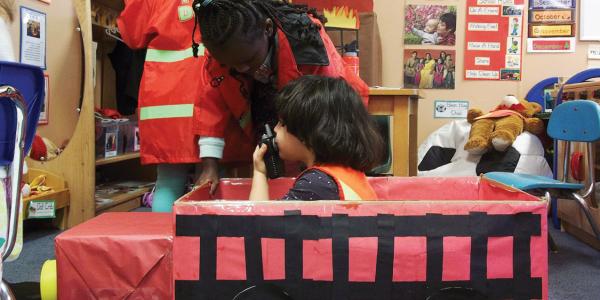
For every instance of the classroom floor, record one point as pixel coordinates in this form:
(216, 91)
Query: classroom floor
(574, 270)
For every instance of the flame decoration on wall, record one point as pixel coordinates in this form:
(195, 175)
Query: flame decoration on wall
(342, 17)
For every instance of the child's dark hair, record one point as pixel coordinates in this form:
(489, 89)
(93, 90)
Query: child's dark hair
(329, 117)
(450, 20)
(220, 19)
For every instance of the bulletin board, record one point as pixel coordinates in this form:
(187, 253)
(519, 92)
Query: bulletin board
(493, 40)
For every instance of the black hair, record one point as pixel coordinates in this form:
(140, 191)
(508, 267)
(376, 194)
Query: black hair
(221, 19)
(329, 117)
(450, 20)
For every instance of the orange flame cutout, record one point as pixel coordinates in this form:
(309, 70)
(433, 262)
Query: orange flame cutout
(342, 17)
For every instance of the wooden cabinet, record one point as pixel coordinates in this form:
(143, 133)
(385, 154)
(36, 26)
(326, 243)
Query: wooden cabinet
(402, 105)
(78, 164)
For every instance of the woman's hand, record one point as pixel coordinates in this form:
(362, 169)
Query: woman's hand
(259, 159)
(209, 175)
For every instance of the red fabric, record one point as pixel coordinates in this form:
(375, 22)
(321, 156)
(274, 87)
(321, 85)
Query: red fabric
(410, 254)
(500, 113)
(356, 180)
(154, 24)
(116, 256)
(225, 105)
(38, 148)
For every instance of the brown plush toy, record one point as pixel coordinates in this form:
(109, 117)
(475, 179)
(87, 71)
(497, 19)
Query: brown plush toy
(500, 127)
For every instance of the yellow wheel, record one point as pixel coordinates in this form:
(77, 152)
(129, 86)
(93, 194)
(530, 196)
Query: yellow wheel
(48, 280)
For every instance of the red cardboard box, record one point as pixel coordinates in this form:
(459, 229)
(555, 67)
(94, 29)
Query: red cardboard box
(116, 256)
(430, 236)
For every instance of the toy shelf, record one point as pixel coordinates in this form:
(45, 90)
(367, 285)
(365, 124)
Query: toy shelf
(123, 201)
(59, 194)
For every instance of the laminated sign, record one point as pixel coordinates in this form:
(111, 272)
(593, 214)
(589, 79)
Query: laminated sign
(492, 243)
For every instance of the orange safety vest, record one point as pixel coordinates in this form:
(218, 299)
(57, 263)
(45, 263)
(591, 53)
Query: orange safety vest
(352, 184)
(171, 83)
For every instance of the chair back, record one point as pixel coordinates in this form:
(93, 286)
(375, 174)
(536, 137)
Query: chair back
(575, 121)
(29, 81)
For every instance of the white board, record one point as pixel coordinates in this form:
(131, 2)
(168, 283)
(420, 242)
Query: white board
(590, 23)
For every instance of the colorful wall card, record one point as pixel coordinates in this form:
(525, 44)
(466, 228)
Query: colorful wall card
(493, 35)
(551, 26)
(544, 4)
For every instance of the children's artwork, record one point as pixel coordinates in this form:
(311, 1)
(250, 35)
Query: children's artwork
(513, 45)
(429, 69)
(510, 74)
(514, 26)
(493, 40)
(430, 25)
(551, 26)
(44, 109)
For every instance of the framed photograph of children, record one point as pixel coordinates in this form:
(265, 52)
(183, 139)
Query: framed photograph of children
(429, 69)
(430, 25)
(44, 109)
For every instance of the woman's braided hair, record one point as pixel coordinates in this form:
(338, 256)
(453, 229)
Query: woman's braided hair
(221, 19)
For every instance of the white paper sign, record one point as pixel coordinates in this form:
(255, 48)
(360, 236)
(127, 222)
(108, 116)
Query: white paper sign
(41, 209)
(33, 37)
(482, 61)
(594, 52)
(450, 109)
(488, 2)
(483, 27)
(483, 46)
(482, 74)
(484, 11)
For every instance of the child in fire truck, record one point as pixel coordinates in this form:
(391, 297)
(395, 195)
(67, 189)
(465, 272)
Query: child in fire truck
(323, 124)
(255, 47)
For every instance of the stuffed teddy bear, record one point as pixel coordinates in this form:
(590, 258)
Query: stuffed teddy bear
(500, 127)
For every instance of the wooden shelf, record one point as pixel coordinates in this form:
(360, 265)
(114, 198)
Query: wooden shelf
(121, 198)
(118, 158)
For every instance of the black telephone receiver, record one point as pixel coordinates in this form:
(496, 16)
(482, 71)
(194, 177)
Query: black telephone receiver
(273, 162)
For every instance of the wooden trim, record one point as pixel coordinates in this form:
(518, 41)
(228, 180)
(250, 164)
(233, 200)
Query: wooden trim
(122, 198)
(118, 158)
(77, 163)
(383, 91)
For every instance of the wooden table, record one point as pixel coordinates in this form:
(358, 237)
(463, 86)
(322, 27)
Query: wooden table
(403, 106)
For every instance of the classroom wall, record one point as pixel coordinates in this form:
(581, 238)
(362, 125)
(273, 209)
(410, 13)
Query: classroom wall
(63, 63)
(481, 94)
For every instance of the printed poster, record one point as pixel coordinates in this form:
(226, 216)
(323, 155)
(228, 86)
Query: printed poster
(494, 39)
(429, 69)
(33, 38)
(551, 26)
(430, 25)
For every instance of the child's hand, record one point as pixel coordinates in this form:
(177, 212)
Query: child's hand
(258, 158)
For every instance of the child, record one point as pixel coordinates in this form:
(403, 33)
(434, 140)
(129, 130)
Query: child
(446, 29)
(429, 34)
(323, 124)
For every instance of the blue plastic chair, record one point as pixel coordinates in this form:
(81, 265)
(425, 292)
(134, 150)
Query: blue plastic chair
(571, 121)
(21, 96)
